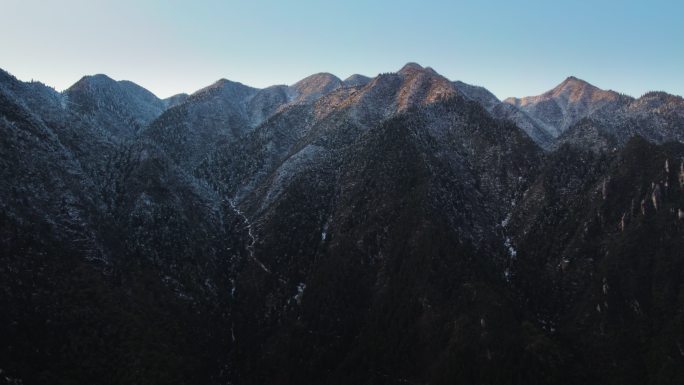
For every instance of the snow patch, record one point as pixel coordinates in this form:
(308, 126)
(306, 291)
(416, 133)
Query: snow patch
(250, 232)
(324, 233)
(511, 250)
(605, 286)
(506, 221)
(300, 293)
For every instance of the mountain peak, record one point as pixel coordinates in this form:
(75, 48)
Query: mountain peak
(574, 82)
(99, 77)
(577, 90)
(224, 86)
(312, 87)
(415, 68)
(412, 68)
(88, 81)
(6, 76)
(356, 80)
(661, 95)
(223, 82)
(658, 100)
(102, 82)
(565, 104)
(318, 78)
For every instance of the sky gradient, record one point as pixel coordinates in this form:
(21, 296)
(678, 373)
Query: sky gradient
(513, 48)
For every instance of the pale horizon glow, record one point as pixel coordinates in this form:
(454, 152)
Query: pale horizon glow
(517, 48)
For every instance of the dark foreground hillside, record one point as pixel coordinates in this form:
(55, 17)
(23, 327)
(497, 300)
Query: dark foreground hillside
(394, 230)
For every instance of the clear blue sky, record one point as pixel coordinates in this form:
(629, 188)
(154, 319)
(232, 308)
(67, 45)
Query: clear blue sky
(514, 48)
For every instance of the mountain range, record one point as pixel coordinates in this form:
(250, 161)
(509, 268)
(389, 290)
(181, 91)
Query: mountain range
(404, 228)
